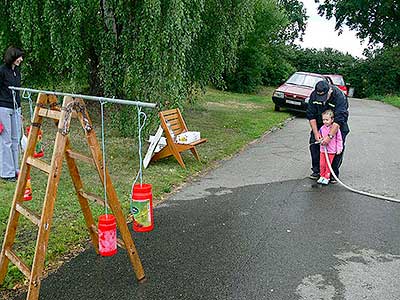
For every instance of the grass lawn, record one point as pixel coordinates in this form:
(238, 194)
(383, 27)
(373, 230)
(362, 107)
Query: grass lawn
(389, 99)
(229, 122)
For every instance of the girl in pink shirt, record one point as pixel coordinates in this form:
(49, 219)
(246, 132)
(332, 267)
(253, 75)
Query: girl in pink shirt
(335, 146)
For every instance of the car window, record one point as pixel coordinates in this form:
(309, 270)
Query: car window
(304, 79)
(337, 80)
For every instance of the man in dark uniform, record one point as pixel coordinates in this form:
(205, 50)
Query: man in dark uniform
(326, 96)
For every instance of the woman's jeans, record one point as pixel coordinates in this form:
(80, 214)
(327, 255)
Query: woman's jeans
(9, 141)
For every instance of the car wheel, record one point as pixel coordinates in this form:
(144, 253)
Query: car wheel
(277, 108)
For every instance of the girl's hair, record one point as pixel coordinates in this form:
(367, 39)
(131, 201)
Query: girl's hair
(329, 113)
(12, 53)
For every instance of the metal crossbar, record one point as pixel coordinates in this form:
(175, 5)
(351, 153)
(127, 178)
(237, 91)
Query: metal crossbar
(92, 98)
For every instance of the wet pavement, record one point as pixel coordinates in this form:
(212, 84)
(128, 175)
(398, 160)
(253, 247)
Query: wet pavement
(257, 228)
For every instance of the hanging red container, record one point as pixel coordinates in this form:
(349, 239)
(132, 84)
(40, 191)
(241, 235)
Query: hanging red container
(39, 147)
(142, 207)
(28, 190)
(107, 235)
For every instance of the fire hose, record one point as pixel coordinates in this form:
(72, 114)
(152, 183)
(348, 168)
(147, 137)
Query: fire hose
(352, 189)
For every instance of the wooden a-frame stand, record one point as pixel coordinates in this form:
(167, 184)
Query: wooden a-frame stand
(46, 107)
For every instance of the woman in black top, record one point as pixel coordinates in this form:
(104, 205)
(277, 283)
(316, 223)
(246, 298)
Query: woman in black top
(10, 113)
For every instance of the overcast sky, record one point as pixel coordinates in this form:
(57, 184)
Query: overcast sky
(320, 33)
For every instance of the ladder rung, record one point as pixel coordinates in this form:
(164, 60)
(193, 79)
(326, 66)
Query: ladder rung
(79, 156)
(18, 263)
(92, 197)
(120, 242)
(48, 113)
(37, 163)
(29, 214)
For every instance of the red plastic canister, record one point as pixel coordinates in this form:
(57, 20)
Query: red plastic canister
(39, 152)
(28, 190)
(142, 207)
(107, 235)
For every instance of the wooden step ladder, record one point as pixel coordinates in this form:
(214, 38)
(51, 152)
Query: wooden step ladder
(46, 107)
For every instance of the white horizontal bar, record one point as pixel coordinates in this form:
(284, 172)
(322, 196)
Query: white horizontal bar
(93, 98)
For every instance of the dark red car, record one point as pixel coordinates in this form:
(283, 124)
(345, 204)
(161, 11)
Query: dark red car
(339, 82)
(295, 92)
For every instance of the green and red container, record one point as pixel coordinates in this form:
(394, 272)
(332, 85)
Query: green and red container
(39, 152)
(142, 207)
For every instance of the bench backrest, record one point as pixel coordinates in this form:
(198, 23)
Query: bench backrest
(174, 118)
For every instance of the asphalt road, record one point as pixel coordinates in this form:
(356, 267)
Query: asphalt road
(257, 228)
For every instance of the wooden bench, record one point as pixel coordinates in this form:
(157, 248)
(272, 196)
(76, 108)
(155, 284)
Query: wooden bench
(178, 125)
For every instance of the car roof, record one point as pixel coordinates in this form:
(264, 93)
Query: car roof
(310, 73)
(333, 75)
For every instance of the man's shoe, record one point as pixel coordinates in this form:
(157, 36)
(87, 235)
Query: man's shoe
(333, 180)
(9, 179)
(314, 176)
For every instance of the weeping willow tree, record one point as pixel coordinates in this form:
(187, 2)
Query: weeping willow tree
(148, 50)
(152, 49)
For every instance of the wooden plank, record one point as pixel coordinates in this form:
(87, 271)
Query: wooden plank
(182, 121)
(12, 256)
(37, 163)
(93, 198)
(198, 142)
(29, 214)
(79, 156)
(173, 119)
(169, 112)
(152, 146)
(47, 113)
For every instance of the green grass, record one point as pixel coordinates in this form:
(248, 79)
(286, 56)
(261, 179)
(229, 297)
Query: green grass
(389, 99)
(229, 122)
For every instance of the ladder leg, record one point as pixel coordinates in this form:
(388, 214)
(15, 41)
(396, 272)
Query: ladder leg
(76, 179)
(11, 230)
(114, 203)
(8, 242)
(48, 208)
(128, 241)
(12, 225)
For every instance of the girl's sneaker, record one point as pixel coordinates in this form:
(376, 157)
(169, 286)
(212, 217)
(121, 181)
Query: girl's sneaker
(320, 179)
(325, 181)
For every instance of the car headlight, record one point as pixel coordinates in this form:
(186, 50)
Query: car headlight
(279, 94)
(307, 100)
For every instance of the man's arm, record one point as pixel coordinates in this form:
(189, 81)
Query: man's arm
(341, 110)
(314, 128)
(312, 117)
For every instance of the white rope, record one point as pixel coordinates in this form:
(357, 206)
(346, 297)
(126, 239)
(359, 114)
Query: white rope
(140, 173)
(28, 95)
(104, 156)
(354, 190)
